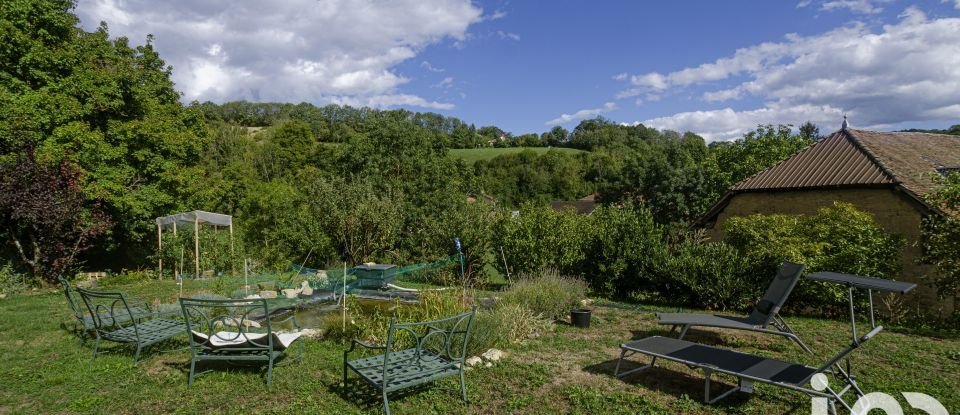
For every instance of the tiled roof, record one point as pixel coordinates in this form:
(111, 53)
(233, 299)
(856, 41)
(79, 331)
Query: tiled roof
(913, 159)
(856, 158)
(852, 157)
(834, 161)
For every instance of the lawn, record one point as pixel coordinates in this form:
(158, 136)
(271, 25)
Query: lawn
(46, 370)
(471, 155)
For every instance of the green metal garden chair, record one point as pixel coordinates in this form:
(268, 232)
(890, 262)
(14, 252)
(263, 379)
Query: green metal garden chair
(415, 354)
(237, 331)
(114, 320)
(84, 321)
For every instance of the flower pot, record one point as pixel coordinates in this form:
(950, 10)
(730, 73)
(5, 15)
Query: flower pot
(580, 317)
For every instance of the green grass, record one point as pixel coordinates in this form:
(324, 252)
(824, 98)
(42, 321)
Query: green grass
(45, 370)
(471, 155)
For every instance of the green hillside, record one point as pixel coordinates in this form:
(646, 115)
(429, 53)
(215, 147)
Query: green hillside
(471, 155)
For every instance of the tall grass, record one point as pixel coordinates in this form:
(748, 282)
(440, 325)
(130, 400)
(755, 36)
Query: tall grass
(546, 294)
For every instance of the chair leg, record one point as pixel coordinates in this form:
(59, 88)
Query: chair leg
(136, 356)
(386, 404)
(269, 371)
(96, 347)
(193, 366)
(463, 388)
(683, 332)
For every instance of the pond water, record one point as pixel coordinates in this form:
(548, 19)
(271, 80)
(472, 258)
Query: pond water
(321, 315)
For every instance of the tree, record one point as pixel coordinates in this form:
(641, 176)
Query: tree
(44, 215)
(757, 150)
(106, 108)
(942, 236)
(809, 131)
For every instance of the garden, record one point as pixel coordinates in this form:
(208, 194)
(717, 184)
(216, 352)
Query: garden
(345, 234)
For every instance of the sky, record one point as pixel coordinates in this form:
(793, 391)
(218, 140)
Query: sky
(715, 68)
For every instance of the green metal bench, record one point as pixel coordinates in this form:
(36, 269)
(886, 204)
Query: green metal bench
(415, 354)
(236, 331)
(84, 322)
(111, 311)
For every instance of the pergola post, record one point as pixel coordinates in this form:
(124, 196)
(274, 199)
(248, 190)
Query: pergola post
(233, 268)
(159, 251)
(196, 247)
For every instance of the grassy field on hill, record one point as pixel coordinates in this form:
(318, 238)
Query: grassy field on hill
(471, 155)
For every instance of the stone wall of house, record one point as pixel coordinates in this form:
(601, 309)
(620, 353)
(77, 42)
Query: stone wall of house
(893, 210)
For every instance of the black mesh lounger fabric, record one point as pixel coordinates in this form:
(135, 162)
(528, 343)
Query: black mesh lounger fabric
(722, 360)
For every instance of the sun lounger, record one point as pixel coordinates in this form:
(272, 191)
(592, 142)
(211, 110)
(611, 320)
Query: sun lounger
(747, 368)
(765, 314)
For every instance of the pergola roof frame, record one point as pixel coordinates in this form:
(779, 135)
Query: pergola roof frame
(195, 218)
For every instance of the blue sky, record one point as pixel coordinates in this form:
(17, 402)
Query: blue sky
(715, 68)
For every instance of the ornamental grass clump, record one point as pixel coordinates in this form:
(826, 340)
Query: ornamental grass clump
(548, 294)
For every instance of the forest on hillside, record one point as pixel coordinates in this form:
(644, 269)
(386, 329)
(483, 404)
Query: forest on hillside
(95, 144)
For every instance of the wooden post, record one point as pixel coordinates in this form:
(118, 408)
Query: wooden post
(159, 252)
(196, 246)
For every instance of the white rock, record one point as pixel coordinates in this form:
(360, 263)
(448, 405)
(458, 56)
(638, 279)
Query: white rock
(312, 333)
(291, 292)
(2, 296)
(252, 297)
(492, 355)
(268, 294)
(473, 361)
(305, 288)
(488, 364)
(586, 302)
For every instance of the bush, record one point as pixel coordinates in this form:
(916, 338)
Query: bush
(548, 295)
(538, 238)
(11, 281)
(620, 244)
(839, 238)
(705, 274)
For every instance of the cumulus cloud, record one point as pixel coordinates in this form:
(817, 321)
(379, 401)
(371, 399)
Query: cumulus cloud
(300, 50)
(902, 72)
(583, 114)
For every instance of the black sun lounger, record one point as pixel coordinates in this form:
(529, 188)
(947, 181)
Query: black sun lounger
(747, 368)
(765, 313)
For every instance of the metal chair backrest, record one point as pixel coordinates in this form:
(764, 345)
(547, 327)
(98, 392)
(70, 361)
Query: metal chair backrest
(75, 304)
(109, 310)
(446, 337)
(777, 293)
(241, 325)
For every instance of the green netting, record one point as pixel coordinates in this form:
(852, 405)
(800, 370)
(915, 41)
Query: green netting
(361, 276)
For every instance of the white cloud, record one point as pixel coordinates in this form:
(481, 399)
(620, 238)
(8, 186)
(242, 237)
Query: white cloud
(853, 6)
(496, 15)
(902, 72)
(300, 50)
(426, 65)
(508, 35)
(622, 76)
(445, 83)
(725, 124)
(583, 114)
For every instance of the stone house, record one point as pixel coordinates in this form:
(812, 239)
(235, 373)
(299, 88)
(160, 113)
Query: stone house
(884, 173)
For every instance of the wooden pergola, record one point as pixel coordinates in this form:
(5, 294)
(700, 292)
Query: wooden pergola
(195, 218)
